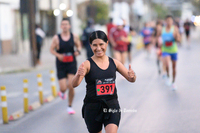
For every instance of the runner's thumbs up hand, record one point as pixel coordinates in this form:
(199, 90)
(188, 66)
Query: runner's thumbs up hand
(81, 70)
(131, 73)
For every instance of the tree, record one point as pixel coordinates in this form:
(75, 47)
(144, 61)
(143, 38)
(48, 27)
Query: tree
(102, 12)
(98, 10)
(161, 10)
(196, 4)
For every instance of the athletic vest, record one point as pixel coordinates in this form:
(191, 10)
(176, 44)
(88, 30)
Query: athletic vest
(67, 48)
(169, 43)
(100, 83)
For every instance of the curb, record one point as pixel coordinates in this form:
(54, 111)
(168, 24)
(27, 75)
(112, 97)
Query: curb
(49, 99)
(16, 115)
(18, 70)
(34, 106)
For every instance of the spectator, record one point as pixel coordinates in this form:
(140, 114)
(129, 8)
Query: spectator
(40, 34)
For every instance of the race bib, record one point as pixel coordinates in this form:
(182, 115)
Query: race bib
(68, 57)
(168, 44)
(105, 86)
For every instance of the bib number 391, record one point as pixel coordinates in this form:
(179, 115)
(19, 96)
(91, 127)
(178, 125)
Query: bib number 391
(105, 87)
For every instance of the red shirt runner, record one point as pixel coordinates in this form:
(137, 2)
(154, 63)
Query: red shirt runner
(117, 34)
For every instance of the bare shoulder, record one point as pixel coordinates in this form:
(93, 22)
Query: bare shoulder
(55, 39)
(87, 63)
(116, 62)
(175, 28)
(75, 36)
(87, 66)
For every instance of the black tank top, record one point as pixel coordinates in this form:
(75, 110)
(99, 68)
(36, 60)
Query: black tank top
(66, 47)
(100, 81)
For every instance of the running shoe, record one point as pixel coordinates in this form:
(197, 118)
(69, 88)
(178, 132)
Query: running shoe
(62, 95)
(70, 111)
(174, 87)
(159, 71)
(164, 76)
(168, 82)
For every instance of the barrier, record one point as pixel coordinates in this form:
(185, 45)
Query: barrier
(34, 106)
(40, 88)
(16, 115)
(27, 108)
(53, 83)
(49, 99)
(25, 81)
(4, 105)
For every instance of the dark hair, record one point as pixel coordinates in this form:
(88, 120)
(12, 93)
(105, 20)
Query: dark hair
(90, 22)
(169, 16)
(66, 19)
(159, 22)
(131, 28)
(98, 35)
(111, 20)
(37, 26)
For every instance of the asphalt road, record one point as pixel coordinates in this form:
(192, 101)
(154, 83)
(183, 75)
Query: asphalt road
(148, 105)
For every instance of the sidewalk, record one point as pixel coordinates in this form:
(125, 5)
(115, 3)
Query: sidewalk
(21, 62)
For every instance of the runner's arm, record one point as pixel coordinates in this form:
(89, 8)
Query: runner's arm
(177, 35)
(158, 36)
(54, 45)
(111, 39)
(77, 43)
(128, 74)
(80, 74)
(125, 39)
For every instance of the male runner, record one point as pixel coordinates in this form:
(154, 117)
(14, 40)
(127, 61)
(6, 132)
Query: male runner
(170, 35)
(63, 48)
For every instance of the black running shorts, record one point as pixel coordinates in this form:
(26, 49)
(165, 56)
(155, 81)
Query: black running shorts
(63, 70)
(91, 112)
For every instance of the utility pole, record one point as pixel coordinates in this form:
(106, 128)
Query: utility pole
(73, 17)
(131, 14)
(32, 36)
(59, 18)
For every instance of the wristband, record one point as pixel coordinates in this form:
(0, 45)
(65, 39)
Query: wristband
(79, 52)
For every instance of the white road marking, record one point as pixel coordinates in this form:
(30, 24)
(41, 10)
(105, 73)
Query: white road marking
(44, 93)
(13, 94)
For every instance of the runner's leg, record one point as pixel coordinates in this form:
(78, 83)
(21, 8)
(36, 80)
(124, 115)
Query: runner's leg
(158, 60)
(123, 57)
(174, 70)
(63, 84)
(117, 55)
(71, 89)
(166, 60)
(129, 57)
(111, 128)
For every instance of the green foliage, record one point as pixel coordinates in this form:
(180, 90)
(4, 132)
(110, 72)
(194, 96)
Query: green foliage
(102, 10)
(196, 4)
(176, 13)
(160, 10)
